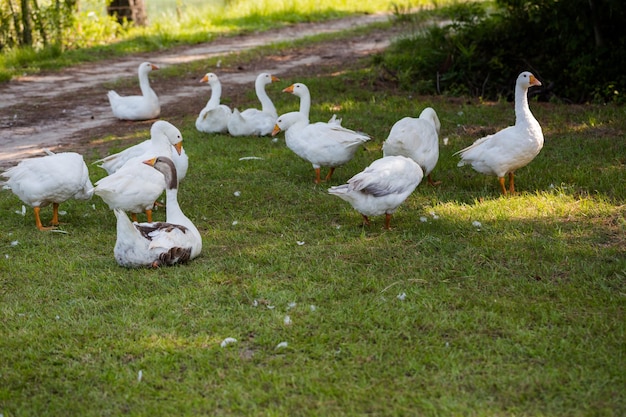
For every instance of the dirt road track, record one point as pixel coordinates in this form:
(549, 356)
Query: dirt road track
(53, 110)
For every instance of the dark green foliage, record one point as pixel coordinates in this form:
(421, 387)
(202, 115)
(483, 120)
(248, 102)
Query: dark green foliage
(577, 48)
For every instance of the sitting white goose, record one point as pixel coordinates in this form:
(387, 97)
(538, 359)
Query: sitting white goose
(322, 144)
(135, 187)
(54, 178)
(302, 91)
(143, 107)
(214, 116)
(163, 243)
(381, 187)
(255, 122)
(418, 139)
(511, 148)
(114, 162)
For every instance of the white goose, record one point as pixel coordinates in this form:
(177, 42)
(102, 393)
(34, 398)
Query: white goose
(164, 243)
(381, 187)
(114, 162)
(255, 122)
(322, 144)
(214, 116)
(511, 148)
(143, 107)
(54, 178)
(418, 139)
(302, 91)
(135, 186)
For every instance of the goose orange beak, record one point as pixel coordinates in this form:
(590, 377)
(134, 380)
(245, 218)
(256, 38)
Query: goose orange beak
(274, 79)
(179, 147)
(154, 67)
(534, 81)
(205, 79)
(150, 162)
(276, 130)
(288, 89)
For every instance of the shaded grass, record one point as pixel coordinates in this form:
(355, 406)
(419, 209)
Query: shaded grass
(523, 315)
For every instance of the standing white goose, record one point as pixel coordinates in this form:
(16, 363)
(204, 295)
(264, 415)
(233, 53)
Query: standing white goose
(322, 144)
(214, 116)
(135, 186)
(381, 187)
(511, 148)
(54, 178)
(143, 107)
(255, 122)
(302, 91)
(418, 139)
(163, 243)
(114, 162)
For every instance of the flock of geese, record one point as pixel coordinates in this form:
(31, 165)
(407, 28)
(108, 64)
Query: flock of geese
(138, 175)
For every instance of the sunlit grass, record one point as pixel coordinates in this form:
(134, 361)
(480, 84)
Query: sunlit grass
(474, 304)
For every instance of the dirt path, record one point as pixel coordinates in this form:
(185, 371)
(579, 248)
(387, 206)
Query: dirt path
(63, 109)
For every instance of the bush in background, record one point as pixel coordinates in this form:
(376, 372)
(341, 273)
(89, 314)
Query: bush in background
(577, 48)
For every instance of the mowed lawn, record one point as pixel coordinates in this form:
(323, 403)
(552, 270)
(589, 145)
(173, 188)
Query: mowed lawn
(473, 304)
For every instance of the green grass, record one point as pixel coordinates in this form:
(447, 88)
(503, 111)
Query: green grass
(521, 316)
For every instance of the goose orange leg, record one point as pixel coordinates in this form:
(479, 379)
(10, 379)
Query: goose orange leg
(366, 221)
(55, 214)
(38, 220)
(149, 215)
(511, 183)
(387, 221)
(317, 176)
(501, 181)
(330, 173)
(432, 182)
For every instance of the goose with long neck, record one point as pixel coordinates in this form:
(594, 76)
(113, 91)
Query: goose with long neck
(302, 91)
(213, 118)
(418, 139)
(511, 148)
(135, 187)
(322, 144)
(143, 107)
(176, 240)
(255, 122)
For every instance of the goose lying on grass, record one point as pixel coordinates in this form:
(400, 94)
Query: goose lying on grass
(143, 107)
(174, 241)
(255, 122)
(214, 117)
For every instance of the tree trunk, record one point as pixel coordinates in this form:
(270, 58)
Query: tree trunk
(27, 30)
(129, 10)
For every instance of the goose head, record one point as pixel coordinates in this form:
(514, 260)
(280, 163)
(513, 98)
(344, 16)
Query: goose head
(287, 120)
(146, 67)
(297, 89)
(166, 167)
(527, 79)
(171, 132)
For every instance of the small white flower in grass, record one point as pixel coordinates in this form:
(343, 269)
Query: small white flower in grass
(255, 303)
(22, 212)
(460, 113)
(300, 242)
(57, 317)
(235, 222)
(93, 206)
(291, 305)
(15, 243)
(237, 193)
(445, 141)
(435, 216)
(228, 341)
(281, 345)
(270, 307)
(402, 296)
(423, 219)
(62, 212)
(477, 224)
(139, 375)
(6, 256)
(287, 321)
(274, 140)
(312, 307)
